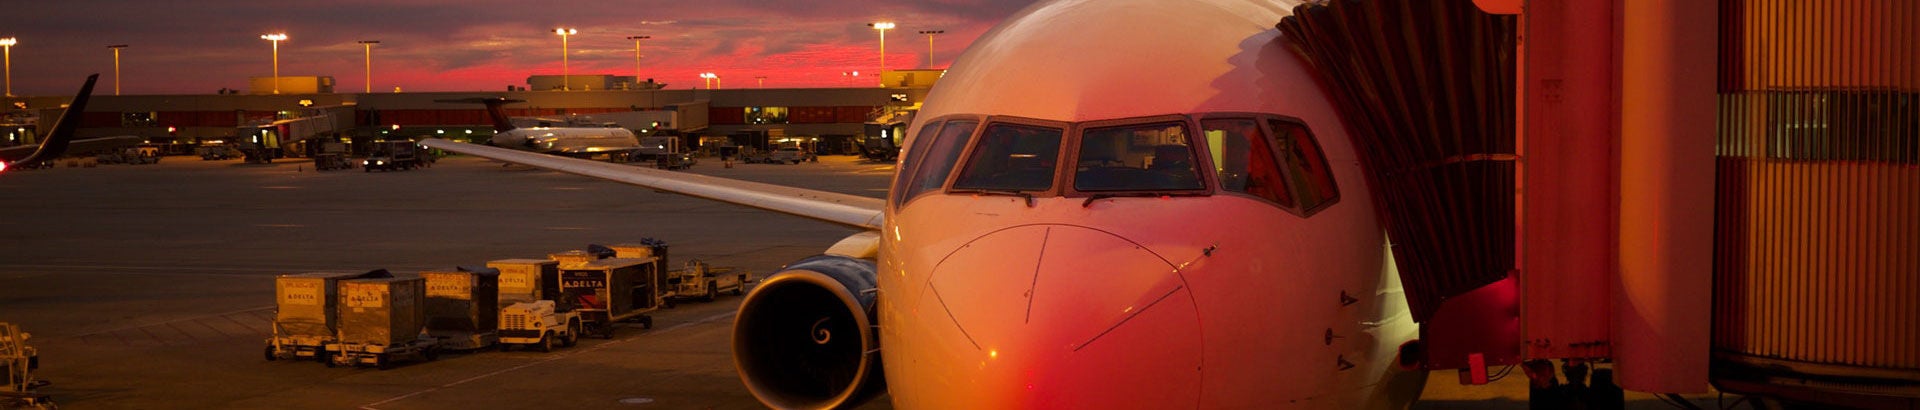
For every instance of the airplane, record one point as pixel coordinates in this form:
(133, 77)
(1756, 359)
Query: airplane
(1091, 215)
(560, 140)
(59, 139)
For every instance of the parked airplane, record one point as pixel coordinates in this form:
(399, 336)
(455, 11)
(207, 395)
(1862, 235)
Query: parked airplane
(59, 139)
(1088, 215)
(559, 140)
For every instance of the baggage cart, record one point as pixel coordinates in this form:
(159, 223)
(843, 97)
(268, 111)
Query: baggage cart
(614, 290)
(382, 321)
(306, 318)
(463, 308)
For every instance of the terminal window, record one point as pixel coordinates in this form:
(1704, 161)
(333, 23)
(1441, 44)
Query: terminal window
(766, 115)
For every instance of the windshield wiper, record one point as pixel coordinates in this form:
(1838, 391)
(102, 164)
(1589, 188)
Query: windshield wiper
(1000, 192)
(1096, 197)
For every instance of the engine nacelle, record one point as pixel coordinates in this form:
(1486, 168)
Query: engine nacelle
(805, 337)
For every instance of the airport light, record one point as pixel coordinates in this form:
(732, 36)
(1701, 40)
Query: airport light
(883, 27)
(276, 38)
(566, 82)
(116, 66)
(369, 46)
(636, 55)
(8, 44)
(930, 34)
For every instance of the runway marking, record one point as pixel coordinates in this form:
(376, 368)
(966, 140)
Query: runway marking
(144, 326)
(549, 359)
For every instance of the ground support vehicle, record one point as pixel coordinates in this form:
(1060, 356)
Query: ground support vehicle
(791, 155)
(256, 153)
(331, 161)
(463, 308)
(539, 325)
(613, 290)
(701, 281)
(17, 363)
(382, 321)
(216, 152)
(306, 318)
(391, 155)
(130, 156)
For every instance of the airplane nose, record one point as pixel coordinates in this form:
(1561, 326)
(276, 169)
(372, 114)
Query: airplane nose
(1067, 316)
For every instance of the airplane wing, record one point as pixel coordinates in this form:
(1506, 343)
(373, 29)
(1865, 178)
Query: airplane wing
(850, 210)
(76, 147)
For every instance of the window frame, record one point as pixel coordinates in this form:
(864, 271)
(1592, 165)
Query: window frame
(966, 157)
(913, 158)
(1195, 146)
(1286, 169)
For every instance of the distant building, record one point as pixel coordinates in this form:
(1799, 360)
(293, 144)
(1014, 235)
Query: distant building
(590, 82)
(911, 78)
(291, 85)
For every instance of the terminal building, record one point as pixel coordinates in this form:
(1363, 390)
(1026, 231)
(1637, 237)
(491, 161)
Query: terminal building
(828, 120)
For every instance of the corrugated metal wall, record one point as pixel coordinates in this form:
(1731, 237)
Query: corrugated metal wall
(1818, 200)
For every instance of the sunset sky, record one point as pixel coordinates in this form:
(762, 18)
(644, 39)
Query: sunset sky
(197, 47)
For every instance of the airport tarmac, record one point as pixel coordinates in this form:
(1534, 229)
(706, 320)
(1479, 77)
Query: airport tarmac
(152, 286)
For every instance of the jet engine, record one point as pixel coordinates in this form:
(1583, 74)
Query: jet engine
(805, 337)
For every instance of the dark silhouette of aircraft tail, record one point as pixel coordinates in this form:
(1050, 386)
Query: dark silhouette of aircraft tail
(495, 110)
(62, 132)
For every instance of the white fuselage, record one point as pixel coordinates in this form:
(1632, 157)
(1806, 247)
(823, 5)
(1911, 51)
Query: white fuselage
(1214, 301)
(568, 141)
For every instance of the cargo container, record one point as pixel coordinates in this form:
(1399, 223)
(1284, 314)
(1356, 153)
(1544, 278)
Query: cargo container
(527, 280)
(613, 290)
(463, 308)
(572, 258)
(644, 249)
(382, 320)
(306, 318)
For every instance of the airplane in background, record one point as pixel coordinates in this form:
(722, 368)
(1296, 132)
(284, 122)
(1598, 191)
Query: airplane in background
(1087, 215)
(59, 139)
(573, 141)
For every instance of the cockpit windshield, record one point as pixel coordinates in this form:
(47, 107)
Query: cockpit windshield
(1144, 157)
(1012, 157)
(1265, 156)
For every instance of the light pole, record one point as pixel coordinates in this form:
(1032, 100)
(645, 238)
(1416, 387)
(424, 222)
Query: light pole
(883, 27)
(636, 56)
(566, 73)
(930, 34)
(275, 38)
(116, 66)
(713, 80)
(8, 43)
(763, 81)
(369, 46)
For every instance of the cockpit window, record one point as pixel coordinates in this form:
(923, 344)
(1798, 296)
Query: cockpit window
(1306, 165)
(1012, 157)
(1144, 157)
(1244, 161)
(935, 154)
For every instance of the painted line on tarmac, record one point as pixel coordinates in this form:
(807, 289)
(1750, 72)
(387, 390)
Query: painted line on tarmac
(549, 359)
(143, 327)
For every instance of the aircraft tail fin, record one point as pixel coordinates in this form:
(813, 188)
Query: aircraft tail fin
(62, 132)
(496, 110)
